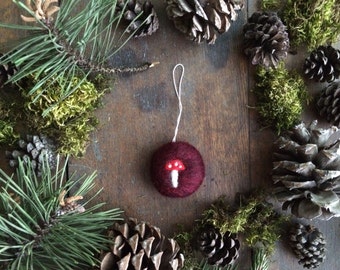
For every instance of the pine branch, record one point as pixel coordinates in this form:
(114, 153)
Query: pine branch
(40, 228)
(260, 259)
(78, 41)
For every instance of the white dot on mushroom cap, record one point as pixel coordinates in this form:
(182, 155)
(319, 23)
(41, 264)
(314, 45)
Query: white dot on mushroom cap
(169, 166)
(176, 163)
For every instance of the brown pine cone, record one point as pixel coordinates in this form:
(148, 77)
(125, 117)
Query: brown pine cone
(266, 39)
(139, 246)
(220, 250)
(203, 20)
(323, 64)
(328, 103)
(308, 244)
(306, 169)
(37, 149)
(141, 17)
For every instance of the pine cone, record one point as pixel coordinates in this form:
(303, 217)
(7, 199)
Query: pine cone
(266, 39)
(220, 250)
(308, 243)
(323, 64)
(328, 103)
(6, 70)
(203, 19)
(34, 148)
(147, 23)
(141, 246)
(307, 168)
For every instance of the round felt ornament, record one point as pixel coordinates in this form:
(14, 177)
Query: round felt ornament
(177, 169)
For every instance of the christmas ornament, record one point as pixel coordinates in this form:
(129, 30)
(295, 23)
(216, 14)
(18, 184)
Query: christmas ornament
(203, 20)
(266, 39)
(323, 64)
(139, 246)
(141, 17)
(328, 103)
(221, 250)
(306, 167)
(36, 148)
(177, 168)
(308, 244)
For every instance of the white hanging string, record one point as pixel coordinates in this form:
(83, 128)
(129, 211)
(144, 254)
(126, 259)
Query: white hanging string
(178, 94)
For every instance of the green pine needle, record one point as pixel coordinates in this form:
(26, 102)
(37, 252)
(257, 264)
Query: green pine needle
(80, 40)
(205, 266)
(260, 259)
(35, 234)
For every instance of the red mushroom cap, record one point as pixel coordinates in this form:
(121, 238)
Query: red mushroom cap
(175, 165)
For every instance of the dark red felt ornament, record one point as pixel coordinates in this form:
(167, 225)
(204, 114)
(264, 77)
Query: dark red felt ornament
(177, 168)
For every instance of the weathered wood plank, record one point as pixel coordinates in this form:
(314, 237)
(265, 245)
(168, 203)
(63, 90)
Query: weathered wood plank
(140, 115)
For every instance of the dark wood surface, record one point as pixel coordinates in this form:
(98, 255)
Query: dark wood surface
(139, 115)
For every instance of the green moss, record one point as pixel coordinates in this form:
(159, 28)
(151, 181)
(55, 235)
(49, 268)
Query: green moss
(221, 216)
(255, 218)
(271, 5)
(280, 97)
(312, 22)
(184, 240)
(264, 226)
(8, 135)
(70, 120)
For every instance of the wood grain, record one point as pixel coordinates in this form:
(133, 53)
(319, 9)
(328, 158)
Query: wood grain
(140, 114)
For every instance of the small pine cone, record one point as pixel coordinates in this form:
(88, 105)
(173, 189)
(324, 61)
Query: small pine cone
(147, 23)
(306, 169)
(323, 64)
(35, 148)
(328, 103)
(308, 244)
(139, 246)
(7, 70)
(203, 20)
(266, 39)
(220, 250)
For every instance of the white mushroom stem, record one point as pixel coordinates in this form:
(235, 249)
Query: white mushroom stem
(174, 178)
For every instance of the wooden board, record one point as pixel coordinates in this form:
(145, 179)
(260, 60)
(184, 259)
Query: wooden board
(140, 114)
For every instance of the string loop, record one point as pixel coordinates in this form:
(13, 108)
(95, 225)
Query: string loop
(178, 94)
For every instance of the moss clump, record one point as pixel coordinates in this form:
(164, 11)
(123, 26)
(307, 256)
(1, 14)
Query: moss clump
(312, 22)
(255, 218)
(8, 135)
(221, 216)
(280, 97)
(70, 120)
(271, 5)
